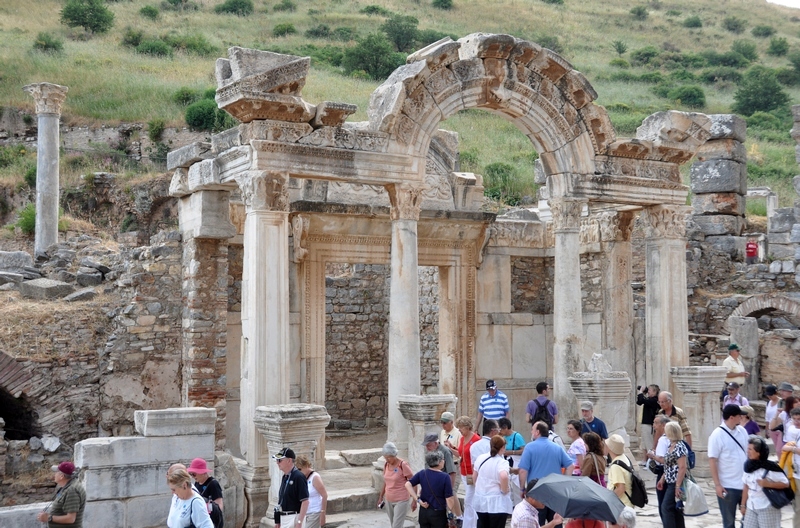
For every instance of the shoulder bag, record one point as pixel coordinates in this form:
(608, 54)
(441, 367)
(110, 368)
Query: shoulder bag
(695, 503)
(778, 497)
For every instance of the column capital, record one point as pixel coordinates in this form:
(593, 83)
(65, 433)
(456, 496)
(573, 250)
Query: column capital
(48, 97)
(698, 379)
(566, 213)
(265, 191)
(665, 221)
(406, 200)
(615, 226)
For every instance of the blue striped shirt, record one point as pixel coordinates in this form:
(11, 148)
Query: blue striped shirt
(494, 407)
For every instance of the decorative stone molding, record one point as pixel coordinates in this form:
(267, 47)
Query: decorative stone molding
(423, 414)
(615, 226)
(566, 214)
(406, 200)
(517, 234)
(48, 97)
(265, 191)
(608, 390)
(332, 114)
(665, 221)
(299, 234)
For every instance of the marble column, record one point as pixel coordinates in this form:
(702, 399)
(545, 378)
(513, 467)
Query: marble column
(265, 318)
(404, 341)
(423, 413)
(567, 308)
(294, 425)
(700, 389)
(666, 312)
(49, 98)
(744, 332)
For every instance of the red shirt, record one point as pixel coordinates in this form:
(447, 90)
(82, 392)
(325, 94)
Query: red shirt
(751, 249)
(463, 452)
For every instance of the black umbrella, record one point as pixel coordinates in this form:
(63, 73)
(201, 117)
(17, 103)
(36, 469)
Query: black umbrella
(577, 498)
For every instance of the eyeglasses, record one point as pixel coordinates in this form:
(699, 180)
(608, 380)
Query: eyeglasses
(192, 474)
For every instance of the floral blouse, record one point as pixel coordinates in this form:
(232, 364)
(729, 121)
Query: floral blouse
(671, 462)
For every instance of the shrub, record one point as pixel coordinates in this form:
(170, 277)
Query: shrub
(374, 56)
(201, 115)
(193, 43)
(762, 31)
(401, 31)
(444, 4)
(619, 62)
(747, 48)
(185, 96)
(47, 43)
(690, 95)
(30, 176)
(683, 75)
(640, 13)
(285, 5)
(209, 93)
(375, 10)
(149, 12)
(788, 76)
(673, 13)
(620, 47)
(182, 5)
(429, 36)
(155, 129)
(559, 2)
(644, 55)
(663, 89)
(320, 31)
(759, 91)
(235, 7)
(693, 22)
(729, 58)
(550, 42)
(794, 59)
(778, 47)
(721, 73)
(26, 219)
(734, 24)
(281, 30)
(91, 15)
(765, 121)
(328, 54)
(155, 47)
(132, 38)
(9, 155)
(501, 183)
(345, 34)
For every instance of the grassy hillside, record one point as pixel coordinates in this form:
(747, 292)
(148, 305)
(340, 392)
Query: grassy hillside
(110, 82)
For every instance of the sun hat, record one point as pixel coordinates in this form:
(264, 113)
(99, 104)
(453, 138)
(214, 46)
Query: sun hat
(615, 444)
(198, 466)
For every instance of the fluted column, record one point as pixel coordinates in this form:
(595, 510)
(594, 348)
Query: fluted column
(49, 98)
(567, 309)
(404, 342)
(667, 319)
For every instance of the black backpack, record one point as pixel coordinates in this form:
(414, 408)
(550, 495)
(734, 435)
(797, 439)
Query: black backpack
(638, 496)
(214, 511)
(542, 414)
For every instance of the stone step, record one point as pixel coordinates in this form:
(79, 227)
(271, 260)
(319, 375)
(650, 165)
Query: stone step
(376, 518)
(333, 460)
(353, 499)
(361, 457)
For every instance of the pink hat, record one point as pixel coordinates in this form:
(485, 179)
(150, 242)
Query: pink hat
(198, 466)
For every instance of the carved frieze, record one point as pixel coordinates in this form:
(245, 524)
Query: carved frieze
(419, 104)
(599, 125)
(300, 225)
(347, 138)
(677, 130)
(524, 52)
(271, 130)
(406, 200)
(629, 167)
(590, 230)
(442, 84)
(566, 214)
(665, 221)
(484, 45)
(517, 234)
(48, 97)
(615, 226)
(577, 89)
(260, 72)
(248, 106)
(332, 114)
(264, 191)
(551, 65)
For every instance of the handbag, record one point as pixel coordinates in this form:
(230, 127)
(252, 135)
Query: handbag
(778, 497)
(695, 503)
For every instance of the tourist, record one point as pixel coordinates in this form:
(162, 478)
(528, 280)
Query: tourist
(577, 449)
(515, 443)
(493, 404)
(394, 495)
(785, 389)
(619, 479)
(208, 488)
(482, 446)
(292, 492)
(733, 397)
(791, 439)
(590, 423)
(468, 439)
(70, 500)
(594, 462)
(751, 251)
(675, 414)
(435, 493)
(747, 421)
(727, 452)
(627, 519)
(770, 412)
(190, 508)
(526, 513)
(656, 456)
(735, 366)
(542, 408)
(760, 473)
(174, 504)
(449, 436)
(431, 443)
(675, 467)
(317, 494)
(540, 458)
(782, 421)
(491, 473)
(648, 399)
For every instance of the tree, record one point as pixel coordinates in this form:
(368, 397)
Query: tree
(620, 47)
(778, 46)
(402, 31)
(373, 55)
(91, 15)
(759, 91)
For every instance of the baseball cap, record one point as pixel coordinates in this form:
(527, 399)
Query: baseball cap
(586, 405)
(66, 467)
(447, 417)
(430, 437)
(490, 384)
(286, 452)
(770, 390)
(733, 346)
(733, 385)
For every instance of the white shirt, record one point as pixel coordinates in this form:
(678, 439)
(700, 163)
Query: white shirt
(179, 512)
(792, 434)
(771, 411)
(756, 499)
(730, 458)
(481, 447)
(662, 447)
(489, 498)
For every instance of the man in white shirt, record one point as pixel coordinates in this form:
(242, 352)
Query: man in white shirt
(727, 452)
(735, 366)
(792, 434)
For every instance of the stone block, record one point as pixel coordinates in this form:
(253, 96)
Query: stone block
(43, 289)
(137, 450)
(110, 513)
(733, 246)
(89, 263)
(521, 319)
(494, 284)
(206, 214)
(722, 149)
(145, 511)
(123, 482)
(493, 351)
(333, 460)
(15, 259)
(23, 516)
(7, 276)
(86, 294)
(782, 221)
(89, 277)
(728, 126)
(794, 237)
(176, 421)
(528, 354)
(775, 266)
(718, 203)
(781, 251)
(718, 176)
(780, 238)
(361, 457)
(796, 180)
(787, 266)
(187, 155)
(720, 224)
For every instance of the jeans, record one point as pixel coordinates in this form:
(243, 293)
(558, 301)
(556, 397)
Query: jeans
(492, 520)
(660, 496)
(430, 518)
(671, 517)
(728, 507)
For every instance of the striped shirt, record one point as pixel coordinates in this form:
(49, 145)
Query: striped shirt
(494, 407)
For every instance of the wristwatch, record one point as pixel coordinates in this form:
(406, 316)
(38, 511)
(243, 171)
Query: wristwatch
(50, 518)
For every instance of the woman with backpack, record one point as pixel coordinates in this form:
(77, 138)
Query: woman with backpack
(208, 488)
(675, 467)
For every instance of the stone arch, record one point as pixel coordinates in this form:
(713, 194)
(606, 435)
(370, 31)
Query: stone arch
(761, 304)
(531, 86)
(14, 378)
(17, 409)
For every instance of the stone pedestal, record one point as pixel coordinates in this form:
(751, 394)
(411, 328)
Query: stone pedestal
(744, 332)
(295, 425)
(49, 98)
(423, 414)
(256, 491)
(609, 391)
(700, 387)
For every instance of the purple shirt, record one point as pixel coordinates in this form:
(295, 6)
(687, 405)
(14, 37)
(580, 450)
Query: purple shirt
(531, 409)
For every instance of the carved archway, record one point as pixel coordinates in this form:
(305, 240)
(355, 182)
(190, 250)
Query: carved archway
(758, 305)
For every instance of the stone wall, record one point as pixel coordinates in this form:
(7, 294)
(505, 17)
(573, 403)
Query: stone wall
(780, 355)
(532, 280)
(592, 282)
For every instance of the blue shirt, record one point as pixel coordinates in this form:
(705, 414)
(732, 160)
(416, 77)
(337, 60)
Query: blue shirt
(595, 426)
(495, 407)
(543, 457)
(436, 487)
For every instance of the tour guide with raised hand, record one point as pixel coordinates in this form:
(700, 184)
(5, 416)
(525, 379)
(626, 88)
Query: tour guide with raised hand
(493, 404)
(293, 492)
(70, 500)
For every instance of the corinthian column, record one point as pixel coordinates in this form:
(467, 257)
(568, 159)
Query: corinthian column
(404, 353)
(667, 319)
(49, 98)
(567, 309)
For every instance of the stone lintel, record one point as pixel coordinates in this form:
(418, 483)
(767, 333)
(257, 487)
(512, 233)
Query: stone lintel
(48, 97)
(291, 422)
(175, 421)
(332, 114)
(425, 408)
(248, 106)
(630, 190)
(206, 214)
(698, 379)
(517, 319)
(189, 154)
(677, 130)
